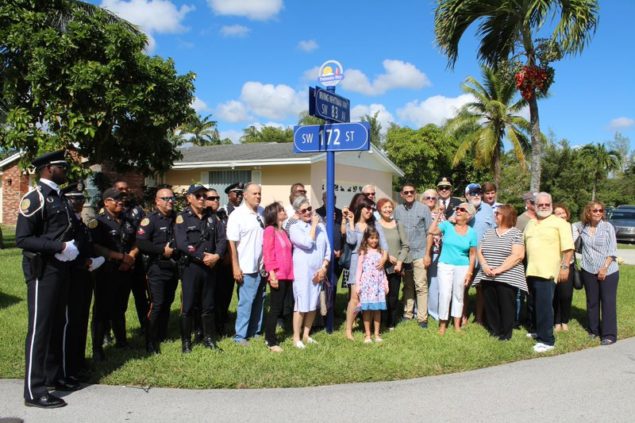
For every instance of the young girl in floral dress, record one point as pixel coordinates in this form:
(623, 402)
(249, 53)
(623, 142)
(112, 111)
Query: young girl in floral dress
(372, 283)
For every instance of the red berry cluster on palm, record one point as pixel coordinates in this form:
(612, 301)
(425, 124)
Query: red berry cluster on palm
(532, 78)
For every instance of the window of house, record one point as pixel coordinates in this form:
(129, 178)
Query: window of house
(220, 179)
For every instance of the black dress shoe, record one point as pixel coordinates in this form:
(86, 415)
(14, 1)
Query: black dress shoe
(67, 384)
(211, 344)
(45, 401)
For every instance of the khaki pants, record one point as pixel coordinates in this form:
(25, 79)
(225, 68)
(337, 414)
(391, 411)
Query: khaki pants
(416, 280)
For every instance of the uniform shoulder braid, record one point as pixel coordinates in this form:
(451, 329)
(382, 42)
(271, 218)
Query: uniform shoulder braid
(31, 202)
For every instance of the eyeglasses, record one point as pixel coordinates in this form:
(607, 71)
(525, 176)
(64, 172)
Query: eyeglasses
(443, 188)
(168, 199)
(262, 225)
(409, 192)
(461, 209)
(213, 197)
(369, 194)
(308, 209)
(300, 191)
(597, 210)
(543, 205)
(431, 198)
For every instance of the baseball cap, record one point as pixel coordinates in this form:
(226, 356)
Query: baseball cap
(473, 188)
(196, 188)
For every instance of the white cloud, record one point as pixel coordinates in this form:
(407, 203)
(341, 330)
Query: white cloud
(199, 105)
(273, 101)
(311, 75)
(436, 109)
(152, 16)
(621, 123)
(252, 9)
(232, 111)
(384, 116)
(398, 74)
(234, 31)
(307, 45)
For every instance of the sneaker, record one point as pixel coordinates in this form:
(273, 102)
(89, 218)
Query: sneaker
(368, 341)
(607, 341)
(242, 342)
(276, 349)
(542, 348)
(423, 325)
(310, 340)
(532, 335)
(299, 345)
(378, 339)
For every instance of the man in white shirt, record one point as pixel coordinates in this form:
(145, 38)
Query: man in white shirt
(245, 229)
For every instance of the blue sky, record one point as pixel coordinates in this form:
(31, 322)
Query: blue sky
(255, 60)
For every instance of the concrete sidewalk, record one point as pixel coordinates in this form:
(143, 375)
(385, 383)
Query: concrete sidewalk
(594, 385)
(627, 254)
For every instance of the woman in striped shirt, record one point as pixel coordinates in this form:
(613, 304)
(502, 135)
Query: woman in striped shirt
(600, 272)
(501, 273)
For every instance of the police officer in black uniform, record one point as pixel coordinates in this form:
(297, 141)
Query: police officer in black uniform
(155, 239)
(45, 231)
(201, 237)
(114, 238)
(80, 293)
(234, 196)
(134, 214)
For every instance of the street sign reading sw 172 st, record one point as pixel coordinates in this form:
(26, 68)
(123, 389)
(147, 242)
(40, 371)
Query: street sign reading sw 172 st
(331, 137)
(327, 105)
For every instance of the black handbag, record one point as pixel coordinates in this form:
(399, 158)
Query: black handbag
(576, 277)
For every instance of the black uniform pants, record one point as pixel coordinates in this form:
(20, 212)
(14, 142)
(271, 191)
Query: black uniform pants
(46, 301)
(162, 282)
(223, 294)
(500, 308)
(139, 288)
(198, 283)
(80, 295)
(112, 290)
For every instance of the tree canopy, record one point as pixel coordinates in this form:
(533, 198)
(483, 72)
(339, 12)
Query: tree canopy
(88, 84)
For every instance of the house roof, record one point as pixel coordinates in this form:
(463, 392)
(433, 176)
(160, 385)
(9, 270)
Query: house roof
(262, 154)
(9, 160)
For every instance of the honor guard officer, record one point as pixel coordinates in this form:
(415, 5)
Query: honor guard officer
(155, 238)
(134, 213)
(114, 238)
(200, 236)
(234, 196)
(45, 232)
(80, 293)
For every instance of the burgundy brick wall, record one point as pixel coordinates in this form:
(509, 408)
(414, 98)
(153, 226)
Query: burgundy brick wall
(136, 181)
(13, 192)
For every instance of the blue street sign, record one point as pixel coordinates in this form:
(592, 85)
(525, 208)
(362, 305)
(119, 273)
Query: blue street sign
(326, 105)
(331, 137)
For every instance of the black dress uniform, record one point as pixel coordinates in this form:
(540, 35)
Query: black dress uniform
(134, 214)
(154, 233)
(194, 237)
(224, 284)
(80, 296)
(112, 285)
(44, 226)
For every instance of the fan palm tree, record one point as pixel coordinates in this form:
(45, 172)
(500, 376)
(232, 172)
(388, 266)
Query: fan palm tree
(375, 128)
(63, 11)
(601, 162)
(507, 27)
(203, 131)
(482, 124)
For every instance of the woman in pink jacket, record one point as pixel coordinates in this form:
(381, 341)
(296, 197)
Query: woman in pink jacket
(278, 262)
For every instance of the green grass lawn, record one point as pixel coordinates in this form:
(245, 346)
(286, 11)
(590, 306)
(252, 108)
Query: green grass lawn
(626, 246)
(407, 352)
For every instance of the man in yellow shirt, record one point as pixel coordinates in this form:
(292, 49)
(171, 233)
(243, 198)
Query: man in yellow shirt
(549, 248)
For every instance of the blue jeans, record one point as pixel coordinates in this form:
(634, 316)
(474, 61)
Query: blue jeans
(543, 290)
(251, 295)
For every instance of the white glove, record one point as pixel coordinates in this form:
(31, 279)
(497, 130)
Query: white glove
(69, 253)
(96, 262)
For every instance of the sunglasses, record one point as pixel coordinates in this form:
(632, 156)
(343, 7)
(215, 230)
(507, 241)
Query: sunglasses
(598, 210)
(308, 209)
(199, 196)
(300, 191)
(409, 192)
(444, 188)
(461, 209)
(168, 199)
(262, 225)
(213, 197)
(543, 205)
(431, 198)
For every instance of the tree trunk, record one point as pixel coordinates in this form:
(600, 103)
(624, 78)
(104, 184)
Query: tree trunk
(497, 167)
(595, 184)
(536, 145)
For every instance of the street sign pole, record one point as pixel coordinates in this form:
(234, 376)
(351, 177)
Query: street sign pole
(330, 223)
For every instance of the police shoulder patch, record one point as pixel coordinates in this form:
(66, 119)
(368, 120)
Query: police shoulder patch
(145, 221)
(92, 223)
(179, 219)
(25, 204)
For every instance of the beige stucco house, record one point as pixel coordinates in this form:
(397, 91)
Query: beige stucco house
(276, 167)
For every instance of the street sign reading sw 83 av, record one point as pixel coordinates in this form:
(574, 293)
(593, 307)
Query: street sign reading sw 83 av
(327, 105)
(331, 137)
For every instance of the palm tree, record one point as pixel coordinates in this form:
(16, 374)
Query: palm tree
(203, 131)
(375, 128)
(600, 162)
(484, 123)
(63, 12)
(507, 26)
